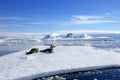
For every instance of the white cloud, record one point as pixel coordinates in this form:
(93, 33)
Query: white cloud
(92, 21)
(78, 19)
(83, 18)
(11, 18)
(5, 25)
(18, 25)
(37, 23)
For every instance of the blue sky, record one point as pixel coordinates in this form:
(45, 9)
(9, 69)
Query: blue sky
(55, 15)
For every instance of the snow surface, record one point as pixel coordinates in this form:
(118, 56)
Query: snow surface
(1, 41)
(87, 36)
(18, 66)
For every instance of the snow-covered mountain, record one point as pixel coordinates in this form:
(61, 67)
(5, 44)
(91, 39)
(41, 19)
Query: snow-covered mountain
(52, 36)
(59, 35)
(74, 36)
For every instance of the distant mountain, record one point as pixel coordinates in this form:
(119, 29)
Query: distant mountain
(51, 36)
(74, 36)
(59, 35)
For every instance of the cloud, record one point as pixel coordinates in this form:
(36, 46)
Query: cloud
(11, 18)
(19, 25)
(86, 20)
(92, 21)
(37, 23)
(5, 25)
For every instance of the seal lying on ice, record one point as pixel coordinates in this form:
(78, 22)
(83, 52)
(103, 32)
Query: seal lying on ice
(49, 50)
(33, 50)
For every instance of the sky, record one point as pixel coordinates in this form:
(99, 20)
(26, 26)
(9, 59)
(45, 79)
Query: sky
(57, 15)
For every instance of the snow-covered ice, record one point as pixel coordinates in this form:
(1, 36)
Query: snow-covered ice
(18, 66)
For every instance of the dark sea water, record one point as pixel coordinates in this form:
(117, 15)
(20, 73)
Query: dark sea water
(7, 52)
(98, 74)
(8, 48)
(112, 74)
